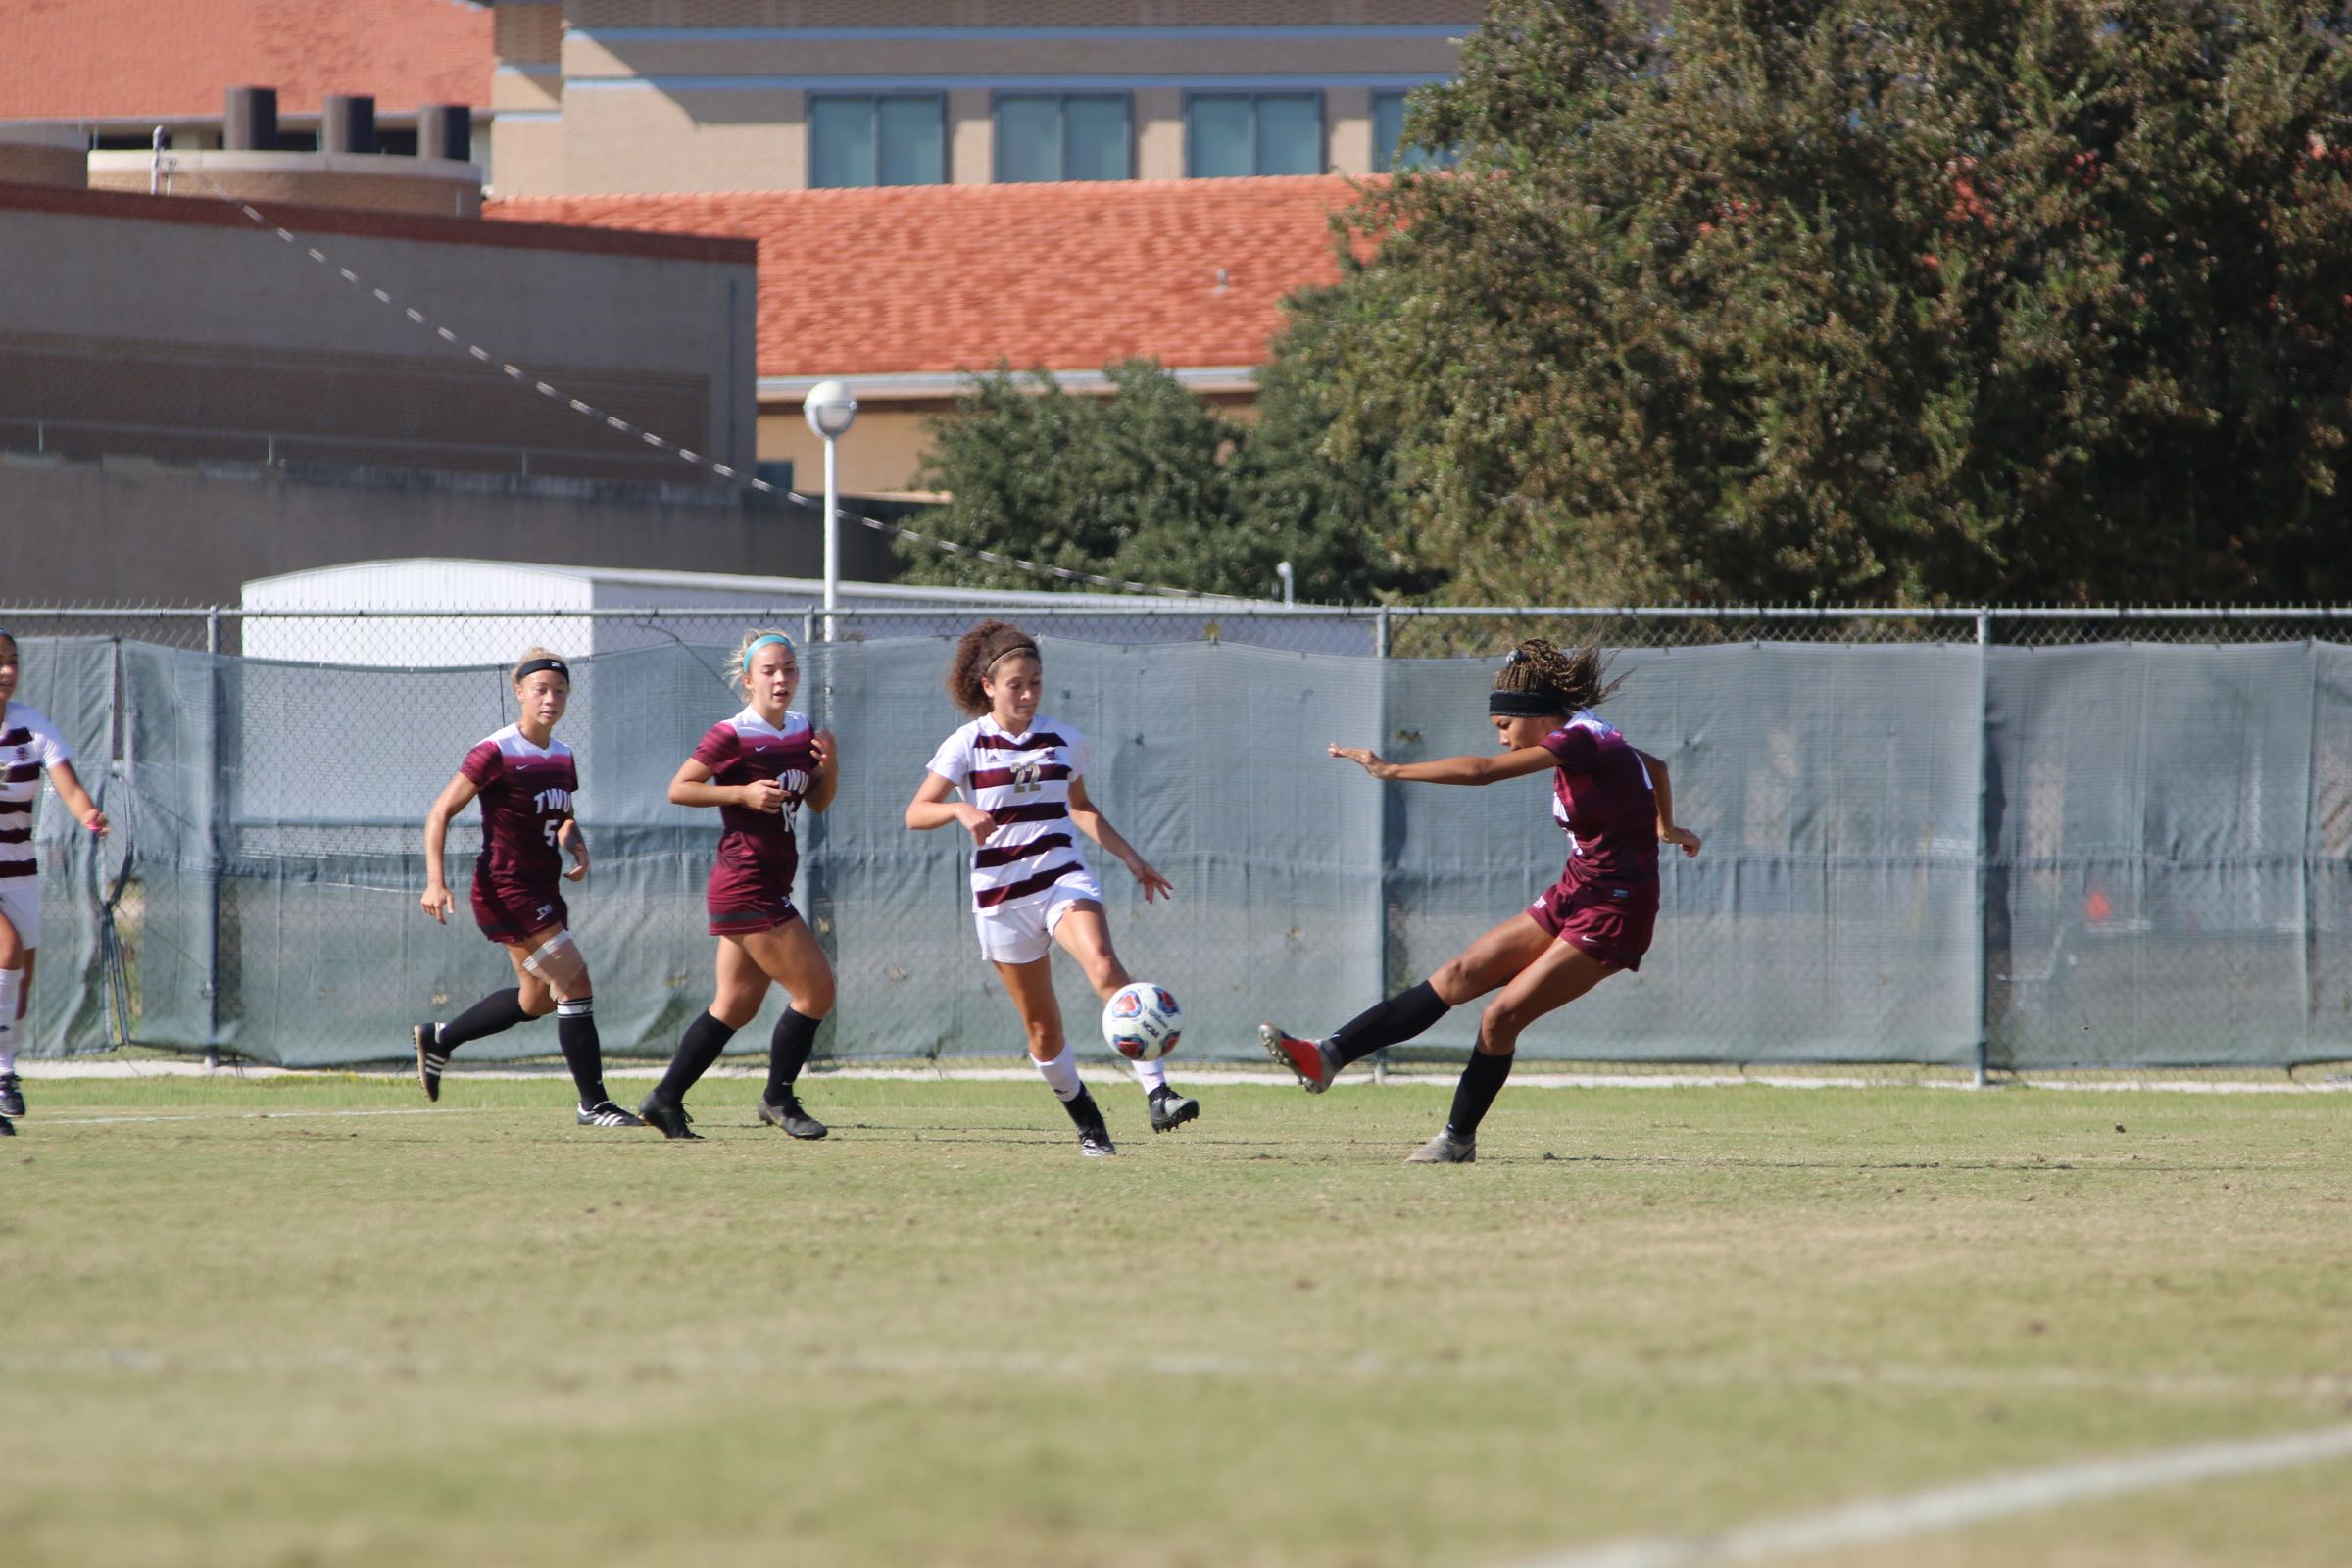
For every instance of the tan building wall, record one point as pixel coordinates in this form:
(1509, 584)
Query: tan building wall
(643, 105)
(884, 450)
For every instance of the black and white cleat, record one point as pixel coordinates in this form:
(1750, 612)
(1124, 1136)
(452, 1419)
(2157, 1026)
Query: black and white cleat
(430, 1058)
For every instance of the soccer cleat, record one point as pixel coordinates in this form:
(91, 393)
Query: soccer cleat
(1446, 1148)
(1171, 1108)
(430, 1058)
(605, 1113)
(12, 1095)
(791, 1116)
(1093, 1142)
(8, 1129)
(1306, 1057)
(672, 1120)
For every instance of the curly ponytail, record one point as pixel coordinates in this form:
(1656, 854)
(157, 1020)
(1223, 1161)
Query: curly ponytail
(977, 653)
(1541, 670)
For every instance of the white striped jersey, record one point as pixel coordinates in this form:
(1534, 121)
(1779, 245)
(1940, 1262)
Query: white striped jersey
(1024, 782)
(29, 747)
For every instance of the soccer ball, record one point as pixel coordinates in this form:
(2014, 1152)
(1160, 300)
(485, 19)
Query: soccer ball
(1141, 1022)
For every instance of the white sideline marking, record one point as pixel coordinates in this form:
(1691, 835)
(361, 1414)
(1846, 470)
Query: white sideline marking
(1966, 1504)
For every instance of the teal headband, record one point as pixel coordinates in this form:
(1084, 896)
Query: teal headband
(759, 643)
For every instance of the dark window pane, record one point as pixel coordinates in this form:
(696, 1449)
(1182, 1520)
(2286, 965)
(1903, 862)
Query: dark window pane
(1388, 128)
(1028, 139)
(1289, 134)
(915, 142)
(1218, 136)
(841, 141)
(1095, 139)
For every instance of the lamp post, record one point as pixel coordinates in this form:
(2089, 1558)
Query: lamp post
(1282, 569)
(830, 408)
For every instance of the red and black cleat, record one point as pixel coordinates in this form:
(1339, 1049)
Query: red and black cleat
(1305, 1057)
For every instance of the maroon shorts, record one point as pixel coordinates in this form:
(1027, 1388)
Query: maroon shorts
(509, 913)
(743, 915)
(1611, 921)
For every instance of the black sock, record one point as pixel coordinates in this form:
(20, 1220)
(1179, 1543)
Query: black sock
(499, 1011)
(1388, 1023)
(1084, 1112)
(788, 1053)
(1482, 1081)
(583, 1054)
(704, 1040)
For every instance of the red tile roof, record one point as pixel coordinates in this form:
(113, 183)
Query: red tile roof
(174, 59)
(957, 278)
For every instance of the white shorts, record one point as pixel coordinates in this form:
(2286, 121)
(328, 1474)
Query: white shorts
(1022, 931)
(21, 902)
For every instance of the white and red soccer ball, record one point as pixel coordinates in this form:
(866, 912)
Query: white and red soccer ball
(1141, 1021)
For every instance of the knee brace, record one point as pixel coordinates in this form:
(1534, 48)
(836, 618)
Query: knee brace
(549, 953)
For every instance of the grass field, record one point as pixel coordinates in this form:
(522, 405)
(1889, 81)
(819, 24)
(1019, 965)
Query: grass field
(308, 1321)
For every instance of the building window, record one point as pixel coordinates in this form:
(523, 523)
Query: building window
(1389, 149)
(1057, 136)
(900, 139)
(1229, 134)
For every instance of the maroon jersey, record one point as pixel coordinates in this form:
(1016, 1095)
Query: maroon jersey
(759, 852)
(526, 793)
(1601, 798)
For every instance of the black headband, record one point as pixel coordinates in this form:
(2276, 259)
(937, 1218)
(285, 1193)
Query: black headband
(1017, 648)
(1537, 703)
(532, 666)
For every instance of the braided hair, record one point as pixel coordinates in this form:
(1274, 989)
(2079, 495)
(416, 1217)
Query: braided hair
(977, 654)
(1538, 678)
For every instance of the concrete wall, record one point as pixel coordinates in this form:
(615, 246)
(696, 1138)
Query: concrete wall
(140, 532)
(180, 329)
(435, 187)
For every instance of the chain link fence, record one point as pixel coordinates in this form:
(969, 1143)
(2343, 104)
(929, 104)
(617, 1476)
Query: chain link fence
(1964, 842)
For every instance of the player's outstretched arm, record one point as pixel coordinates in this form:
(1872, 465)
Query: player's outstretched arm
(1662, 787)
(455, 797)
(824, 781)
(570, 837)
(77, 799)
(932, 808)
(692, 786)
(1489, 768)
(1095, 825)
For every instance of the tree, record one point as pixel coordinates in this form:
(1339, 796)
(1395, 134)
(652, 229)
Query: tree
(1955, 300)
(1151, 484)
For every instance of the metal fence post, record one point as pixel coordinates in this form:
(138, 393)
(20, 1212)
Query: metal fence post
(212, 846)
(1983, 843)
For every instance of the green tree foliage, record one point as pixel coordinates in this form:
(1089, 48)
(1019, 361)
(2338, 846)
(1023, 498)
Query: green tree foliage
(1952, 300)
(1151, 484)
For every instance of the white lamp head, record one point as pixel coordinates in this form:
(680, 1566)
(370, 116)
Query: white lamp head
(830, 408)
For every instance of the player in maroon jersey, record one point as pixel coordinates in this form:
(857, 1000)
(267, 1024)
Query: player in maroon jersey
(526, 780)
(1616, 806)
(759, 768)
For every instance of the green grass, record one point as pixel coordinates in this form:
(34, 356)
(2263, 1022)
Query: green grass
(240, 1329)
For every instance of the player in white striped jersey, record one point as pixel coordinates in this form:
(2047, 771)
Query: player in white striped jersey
(29, 746)
(1022, 777)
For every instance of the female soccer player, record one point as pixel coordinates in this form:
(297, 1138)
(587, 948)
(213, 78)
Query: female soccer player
(1023, 779)
(759, 768)
(526, 780)
(1616, 806)
(28, 747)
